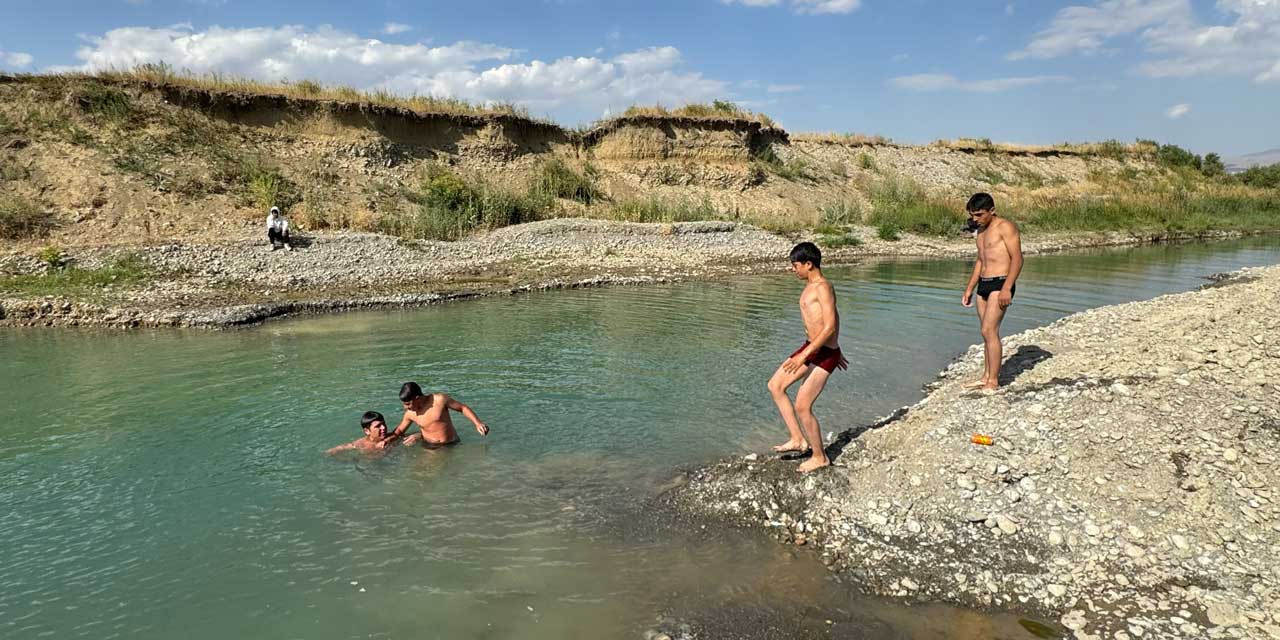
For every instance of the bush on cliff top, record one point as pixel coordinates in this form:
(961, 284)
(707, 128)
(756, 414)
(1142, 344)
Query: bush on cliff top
(21, 218)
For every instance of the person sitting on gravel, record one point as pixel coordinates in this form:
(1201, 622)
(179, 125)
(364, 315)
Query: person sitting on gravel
(278, 230)
(375, 435)
(813, 362)
(996, 272)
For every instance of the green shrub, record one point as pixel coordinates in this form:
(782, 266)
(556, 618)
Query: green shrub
(866, 162)
(266, 186)
(53, 257)
(108, 102)
(1176, 211)
(843, 212)
(448, 208)
(888, 231)
(796, 169)
(840, 240)
(904, 205)
(557, 180)
(1212, 166)
(1266, 177)
(1171, 155)
(655, 210)
(21, 218)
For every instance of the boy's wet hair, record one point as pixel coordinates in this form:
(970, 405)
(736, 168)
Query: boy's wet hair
(409, 391)
(371, 417)
(807, 252)
(980, 202)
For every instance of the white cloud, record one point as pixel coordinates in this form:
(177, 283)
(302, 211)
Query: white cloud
(784, 88)
(980, 39)
(900, 57)
(1008, 9)
(1247, 43)
(469, 70)
(15, 59)
(1177, 111)
(392, 28)
(1085, 29)
(947, 82)
(805, 6)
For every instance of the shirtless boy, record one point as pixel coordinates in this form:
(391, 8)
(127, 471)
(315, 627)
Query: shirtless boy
(375, 435)
(813, 362)
(431, 413)
(994, 280)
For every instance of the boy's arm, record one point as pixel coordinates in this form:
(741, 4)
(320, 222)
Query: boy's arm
(827, 309)
(399, 431)
(466, 411)
(967, 300)
(342, 447)
(1013, 243)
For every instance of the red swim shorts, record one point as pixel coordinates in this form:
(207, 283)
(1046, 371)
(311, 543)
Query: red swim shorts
(825, 357)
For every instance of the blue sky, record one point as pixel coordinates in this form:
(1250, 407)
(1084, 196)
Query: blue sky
(1200, 73)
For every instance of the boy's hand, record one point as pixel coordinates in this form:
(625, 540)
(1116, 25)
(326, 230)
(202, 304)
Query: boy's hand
(482, 428)
(793, 364)
(1005, 299)
(967, 300)
(844, 362)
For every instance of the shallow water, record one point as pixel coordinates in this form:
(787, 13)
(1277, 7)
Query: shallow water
(166, 483)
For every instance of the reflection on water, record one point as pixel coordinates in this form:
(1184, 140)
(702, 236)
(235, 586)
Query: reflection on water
(165, 483)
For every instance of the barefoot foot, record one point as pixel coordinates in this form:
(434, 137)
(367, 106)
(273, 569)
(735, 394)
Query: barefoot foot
(789, 446)
(813, 463)
(976, 384)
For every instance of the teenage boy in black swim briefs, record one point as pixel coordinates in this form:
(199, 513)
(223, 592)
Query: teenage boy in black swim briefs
(994, 278)
(813, 362)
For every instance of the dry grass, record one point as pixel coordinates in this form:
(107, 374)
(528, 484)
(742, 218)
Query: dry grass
(1106, 148)
(717, 110)
(846, 139)
(164, 75)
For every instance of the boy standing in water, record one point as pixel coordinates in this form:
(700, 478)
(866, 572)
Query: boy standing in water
(994, 276)
(813, 362)
(431, 414)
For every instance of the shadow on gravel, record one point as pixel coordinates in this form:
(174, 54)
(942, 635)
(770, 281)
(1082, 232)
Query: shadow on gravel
(848, 436)
(1219, 280)
(1023, 360)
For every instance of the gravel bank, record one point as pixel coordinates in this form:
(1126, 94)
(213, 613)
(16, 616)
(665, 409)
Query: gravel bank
(242, 281)
(1131, 492)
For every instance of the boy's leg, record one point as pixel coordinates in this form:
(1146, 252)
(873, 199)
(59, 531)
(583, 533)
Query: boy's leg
(992, 348)
(805, 397)
(980, 305)
(778, 385)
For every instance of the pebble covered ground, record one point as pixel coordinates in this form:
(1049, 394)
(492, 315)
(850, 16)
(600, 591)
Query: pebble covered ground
(1131, 491)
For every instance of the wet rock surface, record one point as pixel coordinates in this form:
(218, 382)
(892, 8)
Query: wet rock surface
(1130, 491)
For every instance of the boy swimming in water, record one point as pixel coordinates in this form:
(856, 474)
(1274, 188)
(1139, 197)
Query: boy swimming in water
(375, 435)
(994, 278)
(813, 362)
(431, 413)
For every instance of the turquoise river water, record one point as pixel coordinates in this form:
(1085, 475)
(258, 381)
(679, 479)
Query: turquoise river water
(172, 484)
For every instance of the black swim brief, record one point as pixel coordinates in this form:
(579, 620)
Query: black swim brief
(988, 286)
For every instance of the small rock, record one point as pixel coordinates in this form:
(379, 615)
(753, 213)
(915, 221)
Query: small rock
(909, 584)
(1057, 590)
(1092, 529)
(1230, 455)
(751, 457)
(1055, 538)
(1074, 620)
(1006, 524)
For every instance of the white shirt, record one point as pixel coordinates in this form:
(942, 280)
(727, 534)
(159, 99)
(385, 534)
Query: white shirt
(277, 223)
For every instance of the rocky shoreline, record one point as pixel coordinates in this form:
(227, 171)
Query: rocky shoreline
(1131, 491)
(241, 281)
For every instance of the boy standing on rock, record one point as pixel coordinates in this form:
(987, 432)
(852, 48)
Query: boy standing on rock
(994, 277)
(813, 361)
